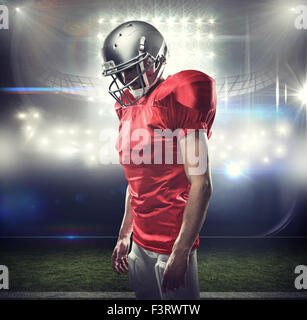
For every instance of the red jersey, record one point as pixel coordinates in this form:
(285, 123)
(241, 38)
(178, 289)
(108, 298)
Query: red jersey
(159, 191)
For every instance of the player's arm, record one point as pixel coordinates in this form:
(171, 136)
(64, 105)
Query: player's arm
(120, 253)
(196, 165)
(197, 169)
(126, 226)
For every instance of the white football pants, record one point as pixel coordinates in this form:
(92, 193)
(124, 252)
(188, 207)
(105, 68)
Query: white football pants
(146, 271)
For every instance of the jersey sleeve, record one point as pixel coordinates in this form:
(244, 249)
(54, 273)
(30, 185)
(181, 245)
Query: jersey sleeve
(193, 103)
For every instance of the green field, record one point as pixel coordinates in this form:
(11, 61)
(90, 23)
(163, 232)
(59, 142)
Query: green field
(85, 265)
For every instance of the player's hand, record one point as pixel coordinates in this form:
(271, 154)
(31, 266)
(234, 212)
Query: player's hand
(174, 276)
(120, 255)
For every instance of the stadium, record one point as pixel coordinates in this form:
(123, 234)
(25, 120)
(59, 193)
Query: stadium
(63, 189)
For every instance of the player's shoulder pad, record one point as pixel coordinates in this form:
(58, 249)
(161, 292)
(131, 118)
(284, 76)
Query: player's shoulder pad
(190, 88)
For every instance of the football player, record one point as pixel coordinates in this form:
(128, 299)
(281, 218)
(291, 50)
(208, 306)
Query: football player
(166, 199)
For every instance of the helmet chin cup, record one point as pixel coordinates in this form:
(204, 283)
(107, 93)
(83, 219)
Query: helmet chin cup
(137, 93)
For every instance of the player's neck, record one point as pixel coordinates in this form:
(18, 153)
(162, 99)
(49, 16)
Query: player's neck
(154, 87)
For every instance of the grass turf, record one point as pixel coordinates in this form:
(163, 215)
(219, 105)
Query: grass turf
(83, 265)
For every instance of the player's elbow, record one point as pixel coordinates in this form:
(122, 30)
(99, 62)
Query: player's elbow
(208, 188)
(204, 185)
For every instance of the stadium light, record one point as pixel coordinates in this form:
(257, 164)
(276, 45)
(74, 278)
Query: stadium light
(171, 21)
(283, 130)
(89, 146)
(223, 155)
(101, 112)
(67, 151)
(198, 36)
(59, 131)
(211, 21)
(211, 55)
(184, 20)
(44, 142)
(18, 9)
(302, 95)
(233, 170)
(21, 116)
(156, 20)
(280, 151)
(100, 21)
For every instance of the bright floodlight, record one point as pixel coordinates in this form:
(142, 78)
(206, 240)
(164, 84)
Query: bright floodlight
(100, 21)
(156, 20)
(302, 95)
(171, 21)
(211, 21)
(18, 9)
(89, 146)
(198, 36)
(210, 36)
(283, 130)
(91, 160)
(59, 131)
(101, 112)
(44, 142)
(211, 54)
(21, 116)
(184, 20)
(199, 21)
(67, 151)
(280, 151)
(233, 170)
(223, 155)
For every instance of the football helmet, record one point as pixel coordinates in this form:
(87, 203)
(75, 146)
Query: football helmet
(137, 46)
